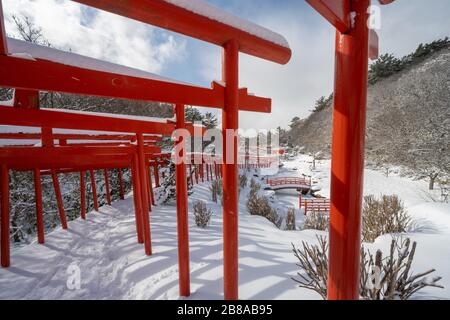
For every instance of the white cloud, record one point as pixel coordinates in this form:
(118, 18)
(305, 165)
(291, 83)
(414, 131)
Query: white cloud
(293, 88)
(106, 36)
(310, 74)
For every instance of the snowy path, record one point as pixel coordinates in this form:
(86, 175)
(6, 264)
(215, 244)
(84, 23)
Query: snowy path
(113, 265)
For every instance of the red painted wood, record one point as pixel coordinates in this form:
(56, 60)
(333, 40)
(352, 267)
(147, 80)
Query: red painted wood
(150, 187)
(39, 206)
(230, 120)
(349, 123)
(337, 12)
(121, 190)
(144, 196)
(108, 194)
(94, 190)
(373, 45)
(4, 240)
(182, 212)
(46, 75)
(83, 194)
(156, 172)
(77, 121)
(27, 99)
(137, 198)
(59, 200)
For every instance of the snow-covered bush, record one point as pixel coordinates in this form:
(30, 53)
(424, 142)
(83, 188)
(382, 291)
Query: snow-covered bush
(388, 278)
(290, 219)
(313, 262)
(391, 278)
(243, 180)
(254, 184)
(260, 206)
(23, 207)
(316, 221)
(168, 190)
(202, 214)
(383, 216)
(216, 190)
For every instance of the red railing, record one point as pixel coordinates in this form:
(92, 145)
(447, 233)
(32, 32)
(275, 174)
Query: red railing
(314, 204)
(282, 181)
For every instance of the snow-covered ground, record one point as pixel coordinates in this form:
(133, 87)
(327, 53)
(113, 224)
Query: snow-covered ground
(113, 265)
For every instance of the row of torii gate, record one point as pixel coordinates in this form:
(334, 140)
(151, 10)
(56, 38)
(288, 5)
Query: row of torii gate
(30, 69)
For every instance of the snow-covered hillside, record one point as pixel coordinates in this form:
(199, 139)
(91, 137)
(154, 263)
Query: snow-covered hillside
(113, 265)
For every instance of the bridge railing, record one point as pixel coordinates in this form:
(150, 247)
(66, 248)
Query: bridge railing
(314, 204)
(273, 182)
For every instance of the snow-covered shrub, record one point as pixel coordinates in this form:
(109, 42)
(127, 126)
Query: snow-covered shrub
(216, 190)
(316, 221)
(388, 278)
(243, 180)
(168, 192)
(254, 185)
(202, 214)
(290, 219)
(260, 206)
(391, 278)
(383, 216)
(22, 199)
(313, 262)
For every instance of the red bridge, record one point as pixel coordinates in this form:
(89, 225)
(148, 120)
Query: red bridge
(289, 183)
(314, 204)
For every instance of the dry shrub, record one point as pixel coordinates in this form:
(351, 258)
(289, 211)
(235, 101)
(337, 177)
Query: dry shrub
(388, 278)
(254, 185)
(216, 190)
(391, 278)
(243, 180)
(260, 206)
(383, 216)
(290, 219)
(317, 221)
(202, 214)
(313, 261)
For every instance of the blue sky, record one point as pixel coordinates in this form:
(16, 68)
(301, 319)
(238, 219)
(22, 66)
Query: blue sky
(293, 87)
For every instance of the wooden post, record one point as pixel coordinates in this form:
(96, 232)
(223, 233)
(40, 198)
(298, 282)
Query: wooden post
(83, 194)
(94, 190)
(122, 194)
(150, 188)
(182, 211)
(230, 124)
(156, 172)
(59, 200)
(108, 195)
(5, 255)
(144, 195)
(349, 123)
(39, 206)
(137, 198)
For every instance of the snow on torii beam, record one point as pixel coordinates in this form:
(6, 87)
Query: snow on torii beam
(200, 20)
(30, 66)
(79, 121)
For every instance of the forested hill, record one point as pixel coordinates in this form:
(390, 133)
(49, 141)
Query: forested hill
(408, 113)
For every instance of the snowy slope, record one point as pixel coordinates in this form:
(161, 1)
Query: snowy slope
(113, 265)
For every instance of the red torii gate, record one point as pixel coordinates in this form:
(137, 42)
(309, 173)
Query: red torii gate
(51, 70)
(78, 157)
(355, 43)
